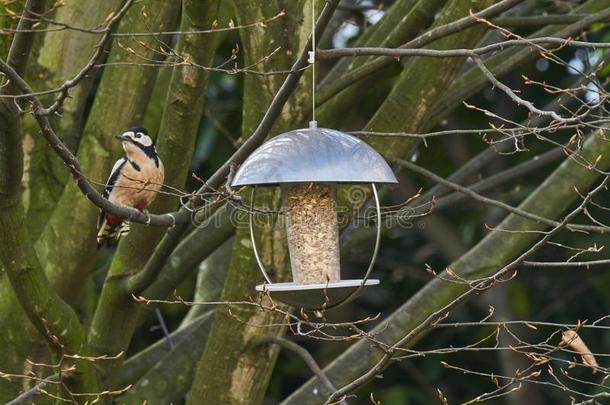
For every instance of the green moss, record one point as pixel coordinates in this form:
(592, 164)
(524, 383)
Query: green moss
(226, 360)
(67, 245)
(116, 318)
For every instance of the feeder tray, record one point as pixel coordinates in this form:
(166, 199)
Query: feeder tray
(297, 159)
(315, 296)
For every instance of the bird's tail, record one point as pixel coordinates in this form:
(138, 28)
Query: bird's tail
(111, 232)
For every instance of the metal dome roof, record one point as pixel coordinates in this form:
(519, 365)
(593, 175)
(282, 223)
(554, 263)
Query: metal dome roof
(314, 155)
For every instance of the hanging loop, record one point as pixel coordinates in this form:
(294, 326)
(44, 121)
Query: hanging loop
(312, 57)
(361, 283)
(369, 270)
(261, 266)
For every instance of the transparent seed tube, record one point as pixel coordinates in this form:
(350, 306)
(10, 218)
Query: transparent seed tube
(311, 227)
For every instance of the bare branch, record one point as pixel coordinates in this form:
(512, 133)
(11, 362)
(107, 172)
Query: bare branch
(299, 351)
(472, 194)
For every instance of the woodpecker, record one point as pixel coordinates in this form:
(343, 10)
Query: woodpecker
(134, 181)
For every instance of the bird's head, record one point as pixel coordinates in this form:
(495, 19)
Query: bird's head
(136, 140)
(135, 137)
(138, 144)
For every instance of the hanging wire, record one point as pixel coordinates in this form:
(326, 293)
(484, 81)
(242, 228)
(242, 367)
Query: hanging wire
(312, 61)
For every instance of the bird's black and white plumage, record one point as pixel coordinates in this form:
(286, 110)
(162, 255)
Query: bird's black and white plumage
(134, 181)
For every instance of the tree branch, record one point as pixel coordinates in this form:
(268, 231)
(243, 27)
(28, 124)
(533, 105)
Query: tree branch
(490, 201)
(21, 45)
(53, 318)
(473, 80)
(299, 351)
(169, 375)
(538, 20)
(513, 173)
(426, 38)
(442, 312)
(156, 282)
(323, 54)
(550, 199)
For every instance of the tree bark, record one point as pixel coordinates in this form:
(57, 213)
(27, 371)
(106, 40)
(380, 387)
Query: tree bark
(402, 22)
(169, 379)
(422, 83)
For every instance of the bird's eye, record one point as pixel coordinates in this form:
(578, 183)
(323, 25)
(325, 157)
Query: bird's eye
(139, 135)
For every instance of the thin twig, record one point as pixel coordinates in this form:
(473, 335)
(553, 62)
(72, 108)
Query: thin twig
(301, 352)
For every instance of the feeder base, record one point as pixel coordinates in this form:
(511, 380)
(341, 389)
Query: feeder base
(313, 296)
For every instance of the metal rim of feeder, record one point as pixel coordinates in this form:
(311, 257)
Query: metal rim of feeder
(314, 155)
(286, 291)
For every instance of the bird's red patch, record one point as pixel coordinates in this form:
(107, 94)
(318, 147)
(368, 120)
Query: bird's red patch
(113, 219)
(141, 205)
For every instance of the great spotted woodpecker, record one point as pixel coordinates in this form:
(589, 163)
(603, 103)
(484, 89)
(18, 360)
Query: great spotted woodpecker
(134, 181)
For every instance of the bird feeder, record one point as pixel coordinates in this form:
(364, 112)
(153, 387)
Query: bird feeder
(307, 164)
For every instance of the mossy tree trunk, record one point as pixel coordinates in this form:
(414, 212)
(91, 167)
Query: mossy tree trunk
(67, 246)
(404, 20)
(66, 249)
(61, 56)
(117, 314)
(30, 293)
(229, 371)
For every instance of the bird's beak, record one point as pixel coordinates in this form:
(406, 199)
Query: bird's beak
(122, 138)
